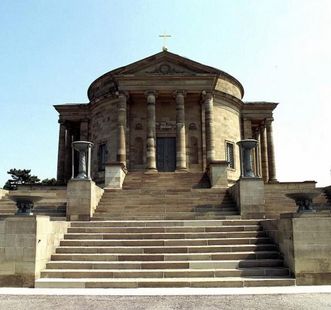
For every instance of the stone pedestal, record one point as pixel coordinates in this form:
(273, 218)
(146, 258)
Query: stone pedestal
(27, 244)
(114, 175)
(82, 199)
(304, 240)
(249, 196)
(218, 174)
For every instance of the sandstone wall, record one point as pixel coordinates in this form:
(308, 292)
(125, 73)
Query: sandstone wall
(103, 130)
(227, 129)
(26, 245)
(275, 200)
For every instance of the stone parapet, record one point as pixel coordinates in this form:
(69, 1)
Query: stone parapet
(277, 203)
(218, 174)
(3, 192)
(114, 175)
(304, 240)
(82, 198)
(248, 193)
(26, 245)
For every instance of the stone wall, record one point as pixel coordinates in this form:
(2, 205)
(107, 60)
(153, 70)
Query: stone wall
(227, 129)
(103, 131)
(228, 88)
(53, 202)
(26, 245)
(3, 192)
(304, 240)
(83, 197)
(275, 200)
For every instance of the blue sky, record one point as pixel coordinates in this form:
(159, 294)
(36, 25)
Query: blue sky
(50, 52)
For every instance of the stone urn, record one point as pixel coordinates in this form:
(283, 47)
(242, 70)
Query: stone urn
(84, 162)
(246, 147)
(24, 203)
(304, 200)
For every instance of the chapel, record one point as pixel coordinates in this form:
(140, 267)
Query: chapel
(166, 113)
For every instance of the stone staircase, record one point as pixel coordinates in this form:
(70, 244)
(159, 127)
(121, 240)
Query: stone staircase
(166, 196)
(167, 232)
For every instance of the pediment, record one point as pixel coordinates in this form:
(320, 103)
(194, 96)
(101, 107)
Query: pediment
(165, 63)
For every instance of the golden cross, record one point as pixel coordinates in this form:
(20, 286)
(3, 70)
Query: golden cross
(165, 37)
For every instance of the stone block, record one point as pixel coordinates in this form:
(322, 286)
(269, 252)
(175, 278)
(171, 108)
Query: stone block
(114, 175)
(218, 174)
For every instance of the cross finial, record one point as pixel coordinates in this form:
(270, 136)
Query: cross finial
(165, 37)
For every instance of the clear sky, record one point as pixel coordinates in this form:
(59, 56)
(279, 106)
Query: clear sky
(50, 52)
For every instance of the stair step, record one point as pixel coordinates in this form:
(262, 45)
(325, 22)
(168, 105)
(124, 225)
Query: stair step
(200, 235)
(165, 257)
(163, 273)
(163, 229)
(173, 249)
(164, 223)
(168, 282)
(192, 265)
(170, 242)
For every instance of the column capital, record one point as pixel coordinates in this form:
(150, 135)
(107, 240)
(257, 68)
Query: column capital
(179, 93)
(207, 95)
(268, 121)
(149, 93)
(122, 93)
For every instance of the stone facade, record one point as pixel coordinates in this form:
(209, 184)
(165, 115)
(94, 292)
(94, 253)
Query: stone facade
(166, 113)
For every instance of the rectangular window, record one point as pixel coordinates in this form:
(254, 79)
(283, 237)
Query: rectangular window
(230, 154)
(102, 156)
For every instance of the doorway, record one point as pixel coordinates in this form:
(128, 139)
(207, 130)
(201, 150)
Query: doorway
(166, 154)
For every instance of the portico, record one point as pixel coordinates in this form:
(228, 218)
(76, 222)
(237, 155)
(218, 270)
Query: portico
(167, 113)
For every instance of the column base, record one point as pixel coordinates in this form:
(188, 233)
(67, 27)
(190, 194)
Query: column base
(273, 181)
(181, 170)
(151, 171)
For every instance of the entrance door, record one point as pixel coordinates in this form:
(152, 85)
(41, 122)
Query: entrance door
(166, 154)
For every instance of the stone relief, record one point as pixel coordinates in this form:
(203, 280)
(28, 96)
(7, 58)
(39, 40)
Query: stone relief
(167, 68)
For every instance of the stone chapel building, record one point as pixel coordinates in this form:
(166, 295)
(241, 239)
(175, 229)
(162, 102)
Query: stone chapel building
(166, 113)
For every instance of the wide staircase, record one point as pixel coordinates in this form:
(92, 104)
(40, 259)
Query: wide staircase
(165, 230)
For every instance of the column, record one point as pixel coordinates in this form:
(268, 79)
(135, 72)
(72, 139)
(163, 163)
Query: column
(151, 143)
(68, 152)
(121, 129)
(209, 123)
(264, 153)
(83, 130)
(258, 152)
(271, 152)
(247, 126)
(180, 132)
(61, 153)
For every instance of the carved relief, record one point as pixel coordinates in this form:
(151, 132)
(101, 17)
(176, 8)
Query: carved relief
(139, 126)
(192, 126)
(167, 68)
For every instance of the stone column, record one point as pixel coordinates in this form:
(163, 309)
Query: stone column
(121, 129)
(68, 153)
(271, 152)
(264, 153)
(83, 130)
(61, 153)
(258, 152)
(180, 132)
(247, 126)
(209, 123)
(151, 143)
